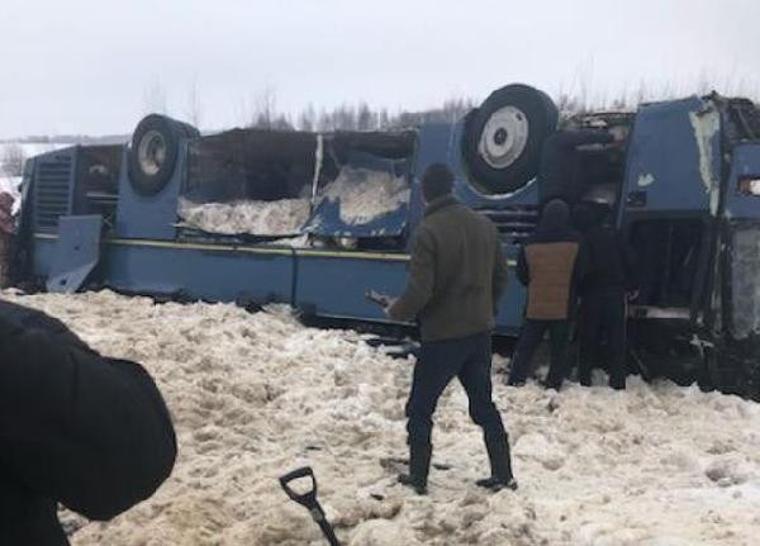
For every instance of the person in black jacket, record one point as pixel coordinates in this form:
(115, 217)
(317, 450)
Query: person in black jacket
(76, 428)
(603, 293)
(550, 263)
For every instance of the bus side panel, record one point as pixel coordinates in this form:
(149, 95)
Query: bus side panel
(214, 275)
(335, 286)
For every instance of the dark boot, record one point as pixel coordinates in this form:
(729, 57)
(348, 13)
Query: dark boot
(497, 445)
(411, 481)
(419, 466)
(497, 484)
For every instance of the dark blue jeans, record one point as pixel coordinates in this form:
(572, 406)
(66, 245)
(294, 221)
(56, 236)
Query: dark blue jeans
(469, 360)
(530, 337)
(603, 319)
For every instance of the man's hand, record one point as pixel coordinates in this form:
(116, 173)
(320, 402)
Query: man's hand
(383, 300)
(389, 302)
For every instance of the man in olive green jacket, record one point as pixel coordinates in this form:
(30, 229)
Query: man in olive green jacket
(456, 278)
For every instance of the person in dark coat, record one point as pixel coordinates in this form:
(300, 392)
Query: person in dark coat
(550, 264)
(603, 293)
(457, 277)
(561, 173)
(76, 428)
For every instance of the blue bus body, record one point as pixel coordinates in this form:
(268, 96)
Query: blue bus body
(688, 172)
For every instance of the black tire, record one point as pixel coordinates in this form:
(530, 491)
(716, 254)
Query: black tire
(189, 130)
(534, 117)
(153, 153)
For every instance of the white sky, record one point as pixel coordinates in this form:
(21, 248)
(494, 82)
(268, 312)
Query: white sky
(77, 66)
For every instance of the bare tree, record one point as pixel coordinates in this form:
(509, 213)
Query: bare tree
(366, 120)
(265, 110)
(194, 108)
(383, 119)
(307, 120)
(344, 118)
(325, 122)
(13, 160)
(154, 98)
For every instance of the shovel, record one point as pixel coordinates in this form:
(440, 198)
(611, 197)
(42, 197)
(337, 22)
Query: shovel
(309, 501)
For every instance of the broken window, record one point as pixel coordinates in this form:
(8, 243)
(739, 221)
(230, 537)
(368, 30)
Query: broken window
(745, 288)
(282, 184)
(253, 182)
(668, 253)
(97, 181)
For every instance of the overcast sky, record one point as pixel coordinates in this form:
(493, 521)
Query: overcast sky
(77, 66)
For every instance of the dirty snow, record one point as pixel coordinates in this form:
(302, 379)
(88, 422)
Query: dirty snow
(254, 396)
(265, 218)
(365, 195)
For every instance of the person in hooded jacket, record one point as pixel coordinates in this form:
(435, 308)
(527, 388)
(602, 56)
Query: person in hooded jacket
(551, 263)
(603, 291)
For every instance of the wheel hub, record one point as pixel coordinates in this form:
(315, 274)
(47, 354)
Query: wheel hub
(504, 137)
(151, 152)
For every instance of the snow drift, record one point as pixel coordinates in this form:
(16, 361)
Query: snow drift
(254, 396)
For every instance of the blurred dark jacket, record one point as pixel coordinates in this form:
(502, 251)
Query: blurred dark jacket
(457, 273)
(560, 171)
(551, 263)
(611, 261)
(90, 432)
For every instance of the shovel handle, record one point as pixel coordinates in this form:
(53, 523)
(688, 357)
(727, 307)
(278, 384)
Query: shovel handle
(308, 499)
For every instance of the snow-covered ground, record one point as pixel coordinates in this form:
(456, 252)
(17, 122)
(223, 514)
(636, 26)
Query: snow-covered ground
(254, 396)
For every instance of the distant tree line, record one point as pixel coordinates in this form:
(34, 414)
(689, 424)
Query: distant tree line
(347, 117)
(12, 160)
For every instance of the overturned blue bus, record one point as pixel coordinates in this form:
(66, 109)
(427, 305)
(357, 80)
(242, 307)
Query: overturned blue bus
(315, 220)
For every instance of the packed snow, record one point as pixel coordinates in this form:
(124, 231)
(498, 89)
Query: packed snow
(264, 218)
(256, 395)
(365, 195)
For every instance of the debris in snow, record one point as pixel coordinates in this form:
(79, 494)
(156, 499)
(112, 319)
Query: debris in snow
(253, 394)
(727, 471)
(365, 195)
(264, 218)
